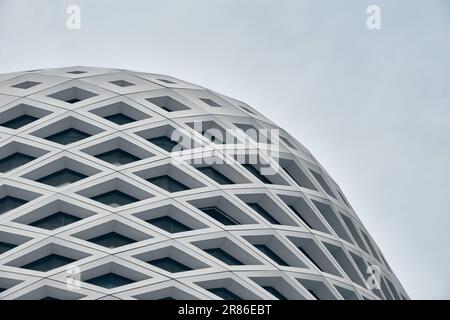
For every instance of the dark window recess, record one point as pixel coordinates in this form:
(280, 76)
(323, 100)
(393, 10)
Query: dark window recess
(345, 263)
(168, 183)
(220, 216)
(359, 263)
(372, 248)
(6, 247)
(310, 258)
(297, 213)
(115, 198)
(346, 293)
(269, 253)
(385, 290)
(48, 263)
(72, 95)
(164, 143)
(224, 293)
(9, 203)
(297, 174)
(329, 215)
(223, 256)
(344, 199)
(26, 84)
(168, 224)
(117, 157)
(68, 136)
(55, 221)
(122, 83)
(112, 240)
(323, 183)
(169, 265)
(14, 161)
(254, 133)
(349, 223)
(2, 289)
(256, 173)
(277, 294)
(120, 119)
(168, 104)
(266, 215)
(394, 292)
(210, 102)
(287, 142)
(62, 178)
(19, 122)
(247, 109)
(110, 281)
(215, 175)
(76, 72)
(314, 294)
(166, 81)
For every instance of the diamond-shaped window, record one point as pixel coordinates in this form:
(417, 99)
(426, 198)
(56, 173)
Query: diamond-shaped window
(110, 281)
(55, 221)
(115, 193)
(8, 203)
(122, 83)
(119, 118)
(68, 136)
(61, 172)
(62, 178)
(111, 275)
(76, 72)
(223, 256)
(168, 183)
(120, 113)
(168, 224)
(19, 122)
(170, 218)
(220, 216)
(112, 240)
(117, 157)
(115, 198)
(14, 161)
(118, 151)
(224, 293)
(210, 102)
(169, 265)
(168, 138)
(72, 95)
(26, 84)
(169, 178)
(5, 246)
(67, 130)
(168, 104)
(164, 142)
(215, 175)
(48, 263)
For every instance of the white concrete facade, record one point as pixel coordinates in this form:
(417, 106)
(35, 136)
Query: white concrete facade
(88, 190)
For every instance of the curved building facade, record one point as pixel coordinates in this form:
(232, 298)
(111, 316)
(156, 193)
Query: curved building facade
(117, 184)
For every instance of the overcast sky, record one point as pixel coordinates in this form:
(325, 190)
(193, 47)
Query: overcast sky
(372, 106)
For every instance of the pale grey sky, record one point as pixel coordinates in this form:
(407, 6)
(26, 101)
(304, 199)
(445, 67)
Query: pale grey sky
(372, 106)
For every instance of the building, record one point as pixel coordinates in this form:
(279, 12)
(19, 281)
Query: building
(97, 200)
